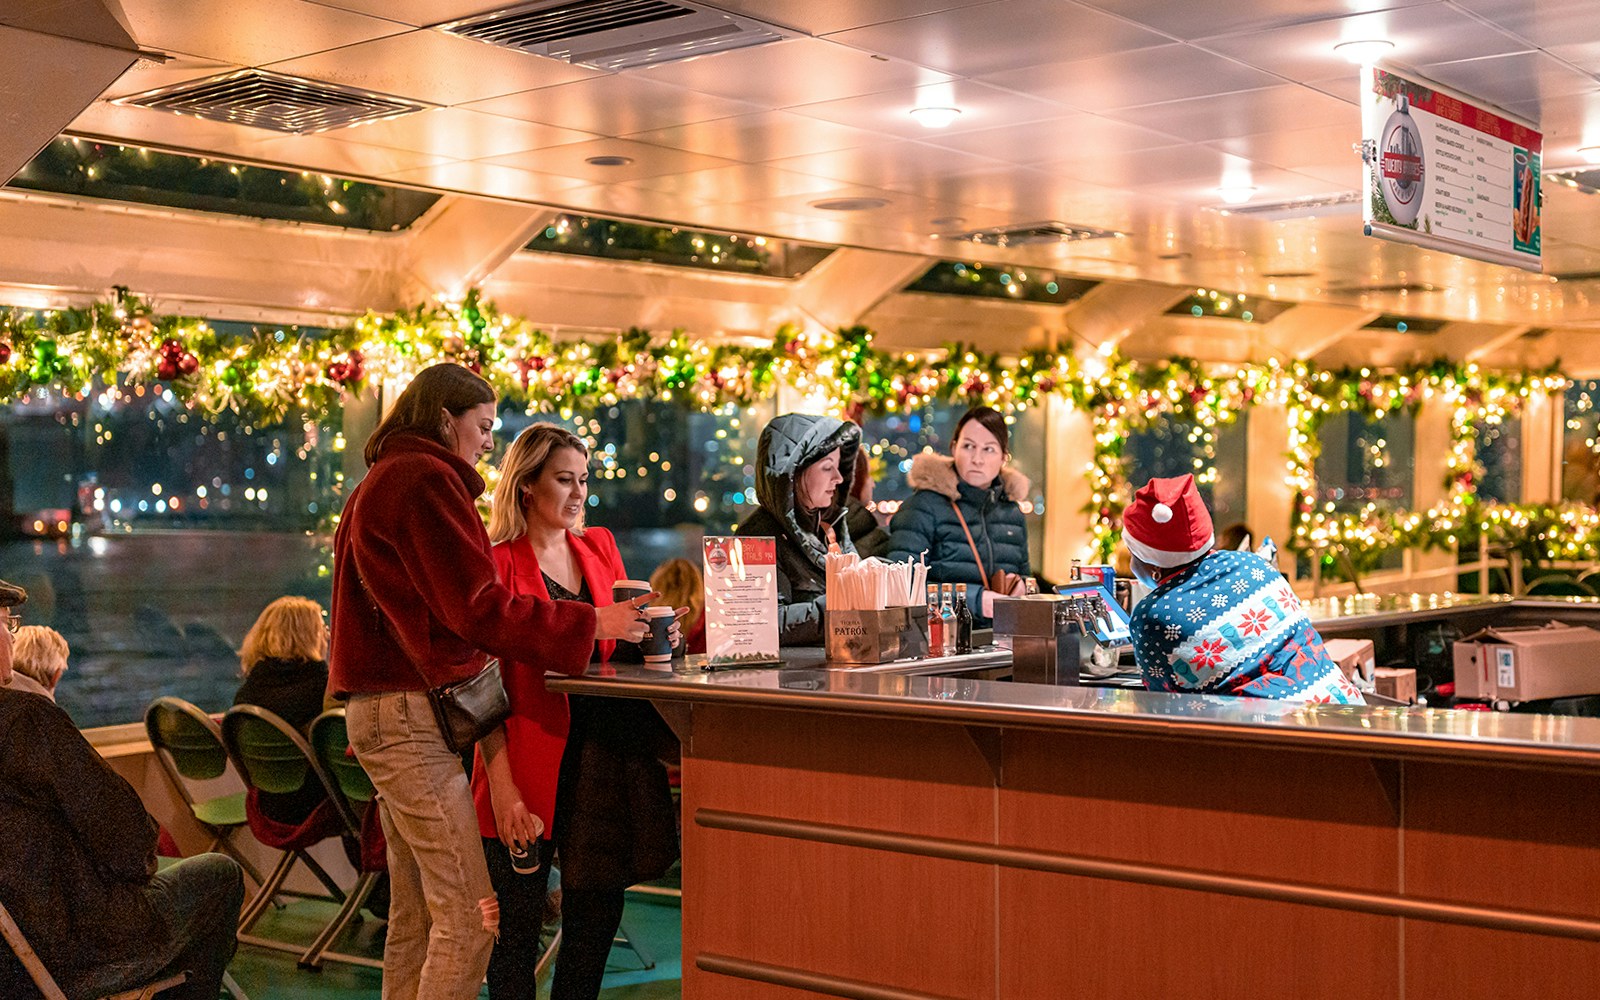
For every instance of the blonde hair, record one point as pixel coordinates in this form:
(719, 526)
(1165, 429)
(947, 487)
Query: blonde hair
(290, 628)
(523, 463)
(681, 586)
(40, 653)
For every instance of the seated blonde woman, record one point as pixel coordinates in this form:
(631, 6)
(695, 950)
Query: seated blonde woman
(285, 663)
(40, 654)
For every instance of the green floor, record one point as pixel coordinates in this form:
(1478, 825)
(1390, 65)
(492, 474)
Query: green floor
(652, 921)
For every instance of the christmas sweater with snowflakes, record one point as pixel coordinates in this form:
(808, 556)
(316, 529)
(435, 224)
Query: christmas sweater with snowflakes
(1231, 625)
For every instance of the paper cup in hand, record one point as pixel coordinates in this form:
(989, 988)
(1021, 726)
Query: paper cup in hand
(629, 590)
(657, 644)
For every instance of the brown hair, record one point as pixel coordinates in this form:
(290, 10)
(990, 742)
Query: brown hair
(447, 387)
(681, 586)
(523, 463)
(40, 653)
(863, 474)
(12, 595)
(991, 420)
(290, 628)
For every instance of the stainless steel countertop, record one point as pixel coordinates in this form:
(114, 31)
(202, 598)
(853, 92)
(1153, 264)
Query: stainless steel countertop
(1499, 737)
(1397, 609)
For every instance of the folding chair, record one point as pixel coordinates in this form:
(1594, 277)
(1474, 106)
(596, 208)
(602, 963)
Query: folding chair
(189, 746)
(34, 966)
(355, 798)
(275, 758)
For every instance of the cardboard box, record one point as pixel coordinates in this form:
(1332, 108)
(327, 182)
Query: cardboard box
(1528, 664)
(1354, 656)
(876, 636)
(1399, 683)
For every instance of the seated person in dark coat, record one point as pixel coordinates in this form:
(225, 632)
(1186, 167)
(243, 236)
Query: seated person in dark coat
(285, 664)
(78, 874)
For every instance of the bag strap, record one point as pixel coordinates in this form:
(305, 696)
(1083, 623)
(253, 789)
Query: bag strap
(968, 532)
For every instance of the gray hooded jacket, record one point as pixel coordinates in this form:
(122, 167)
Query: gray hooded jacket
(788, 444)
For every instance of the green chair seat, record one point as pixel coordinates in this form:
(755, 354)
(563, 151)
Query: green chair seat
(226, 810)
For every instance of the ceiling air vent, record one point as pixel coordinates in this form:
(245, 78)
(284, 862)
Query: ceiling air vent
(616, 34)
(273, 101)
(1031, 233)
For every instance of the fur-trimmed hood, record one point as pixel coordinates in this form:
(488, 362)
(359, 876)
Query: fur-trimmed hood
(933, 471)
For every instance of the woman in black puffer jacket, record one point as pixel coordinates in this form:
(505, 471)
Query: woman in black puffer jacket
(976, 481)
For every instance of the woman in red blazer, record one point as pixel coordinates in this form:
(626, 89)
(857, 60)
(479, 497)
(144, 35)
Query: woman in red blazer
(584, 775)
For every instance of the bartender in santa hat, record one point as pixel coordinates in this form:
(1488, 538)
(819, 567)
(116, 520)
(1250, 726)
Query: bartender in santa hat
(1218, 622)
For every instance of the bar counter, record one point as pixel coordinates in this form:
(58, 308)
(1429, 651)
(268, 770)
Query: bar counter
(893, 832)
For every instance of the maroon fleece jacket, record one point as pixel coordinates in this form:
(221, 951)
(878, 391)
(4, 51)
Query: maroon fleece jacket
(416, 598)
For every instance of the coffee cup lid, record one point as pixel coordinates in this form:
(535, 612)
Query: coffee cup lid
(632, 584)
(657, 611)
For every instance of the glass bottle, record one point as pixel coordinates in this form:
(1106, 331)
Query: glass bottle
(935, 623)
(947, 618)
(963, 624)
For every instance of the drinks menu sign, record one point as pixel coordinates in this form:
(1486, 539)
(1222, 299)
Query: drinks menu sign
(1444, 173)
(741, 600)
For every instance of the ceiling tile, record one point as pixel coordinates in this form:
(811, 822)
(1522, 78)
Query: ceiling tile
(1573, 120)
(1425, 34)
(1189, 21)
(798, 71)
(648, 161)
(328, 155)
(1514, 79)
(1331, 146)
(148, 127)
(769, 135)
(631, 202)
(890, 113)
(736, 184)
(487, 179)
(143, 76)
(1130, 79)
(615, 104)
(460, 134)
(1151, 167)
(819, 17)
(434, 67)
(1051, 139)
(1271, 184)
(1583, 55)
(249, 32)
(899, 166)
(1545, 23)
(973, 40)
(1245, 113)
(417, 12)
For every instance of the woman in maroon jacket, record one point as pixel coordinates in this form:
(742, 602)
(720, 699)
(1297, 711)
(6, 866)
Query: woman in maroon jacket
(589, 769)
(417, 604)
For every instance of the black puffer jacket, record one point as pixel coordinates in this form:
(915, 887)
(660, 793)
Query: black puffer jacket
(927, 522)
(788, 444)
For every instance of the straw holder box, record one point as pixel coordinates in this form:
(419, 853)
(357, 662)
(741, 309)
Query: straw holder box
(877, 636)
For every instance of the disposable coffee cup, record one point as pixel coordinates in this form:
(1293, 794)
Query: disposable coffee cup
(524, 861)
(657, 643)
(629, 590)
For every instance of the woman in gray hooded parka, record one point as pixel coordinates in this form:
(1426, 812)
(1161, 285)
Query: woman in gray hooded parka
(804, 467)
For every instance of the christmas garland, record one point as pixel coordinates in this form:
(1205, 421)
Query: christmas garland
(272, 371)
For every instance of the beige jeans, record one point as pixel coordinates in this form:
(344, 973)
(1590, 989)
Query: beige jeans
(442, 913)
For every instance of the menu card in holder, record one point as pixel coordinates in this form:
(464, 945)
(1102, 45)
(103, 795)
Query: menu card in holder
(741, 601)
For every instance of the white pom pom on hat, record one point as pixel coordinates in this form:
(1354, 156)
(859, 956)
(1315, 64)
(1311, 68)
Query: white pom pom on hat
(1161, 513)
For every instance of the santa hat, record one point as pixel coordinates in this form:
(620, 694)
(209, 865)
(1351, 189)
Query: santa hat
(1167, 524)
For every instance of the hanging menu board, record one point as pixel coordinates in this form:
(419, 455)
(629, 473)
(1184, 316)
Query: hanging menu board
(741, 577)
(1442, 172)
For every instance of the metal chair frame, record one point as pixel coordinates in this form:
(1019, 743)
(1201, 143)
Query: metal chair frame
(221, 836)
(357, 896)
(350, 902)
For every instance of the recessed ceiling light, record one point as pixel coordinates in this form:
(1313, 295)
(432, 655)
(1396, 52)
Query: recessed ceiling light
(609, 161)
(1364, 50)
(1236, 194)
(935, 117)
(849, 204)
(948, 220)
(1590, 154)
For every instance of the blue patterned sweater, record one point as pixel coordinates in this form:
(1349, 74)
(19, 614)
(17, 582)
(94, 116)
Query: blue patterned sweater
(1231, 625)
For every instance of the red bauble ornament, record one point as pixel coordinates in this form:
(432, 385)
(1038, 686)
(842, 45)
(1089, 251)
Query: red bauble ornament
(167, 370)
(5, 352)
(188, 364)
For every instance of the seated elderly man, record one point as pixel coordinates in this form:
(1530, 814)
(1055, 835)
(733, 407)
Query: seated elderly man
(1218, 622)
(78, 873)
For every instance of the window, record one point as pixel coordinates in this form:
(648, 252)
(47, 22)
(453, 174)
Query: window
(1580, 451)
(895, 439)
(1000, 281)
(152, 536)
(1500, 455)
(1366, 462)
(131, 174)
(1206, 302)
(1169, 447)
(590, 236)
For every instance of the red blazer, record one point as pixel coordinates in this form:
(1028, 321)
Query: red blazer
(536, 733)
